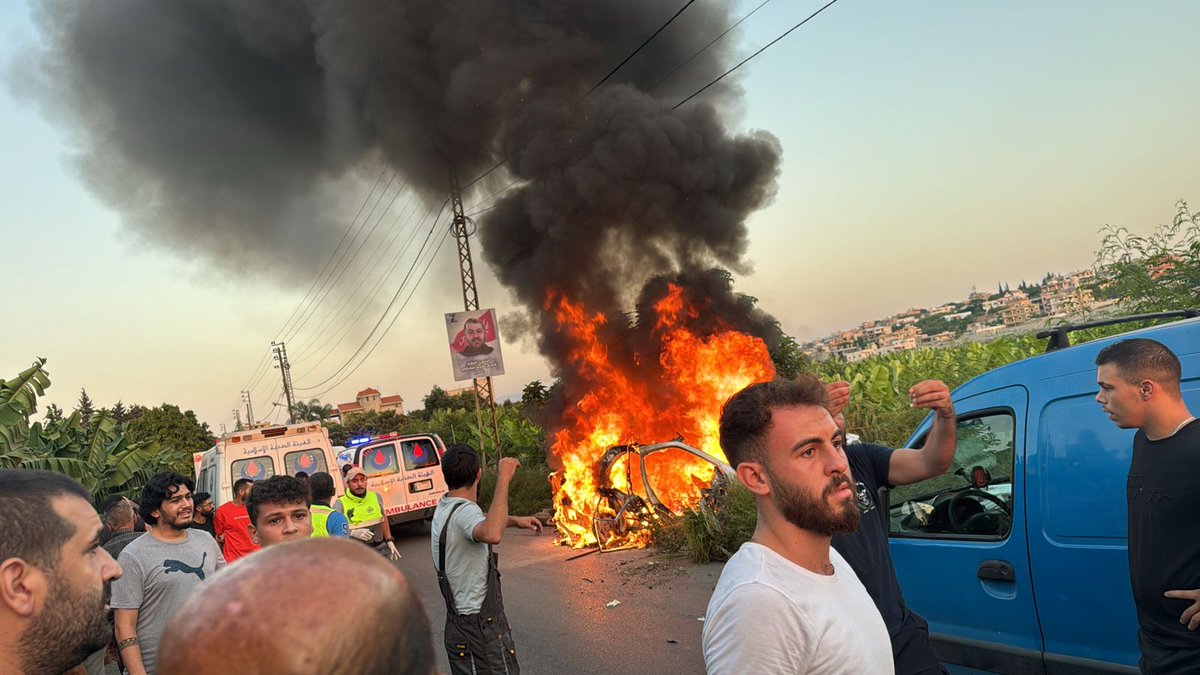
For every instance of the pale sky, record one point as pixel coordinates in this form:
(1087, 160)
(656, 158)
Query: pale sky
(928, 147)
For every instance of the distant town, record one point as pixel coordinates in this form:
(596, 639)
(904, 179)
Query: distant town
(980, 316)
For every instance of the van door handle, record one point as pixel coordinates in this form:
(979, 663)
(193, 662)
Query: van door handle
(996, 570)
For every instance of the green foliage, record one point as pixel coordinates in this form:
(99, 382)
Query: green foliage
(371, 423)
(100, 455)
(85, 408)
(1154, 273)
(535, 393)
(711, 534)
(788, 358)
(528, 493)
(879, 409)
(177, 434)
(311, 410)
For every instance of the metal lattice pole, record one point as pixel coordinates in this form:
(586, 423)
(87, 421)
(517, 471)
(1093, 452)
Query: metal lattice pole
(485, 399)
(285, 369)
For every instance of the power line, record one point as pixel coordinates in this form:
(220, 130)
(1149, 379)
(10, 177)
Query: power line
(386, 310)
(703, 49)
(596, 86)
(747, 59)
(329, 287)
(394, 318)
(336, 336)
(635, 52)
(261, 370)
(360, 278)
(333, 253)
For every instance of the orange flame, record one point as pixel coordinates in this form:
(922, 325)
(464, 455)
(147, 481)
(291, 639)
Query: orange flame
(696, 376)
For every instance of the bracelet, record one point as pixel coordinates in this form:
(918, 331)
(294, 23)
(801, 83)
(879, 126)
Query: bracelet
(127, 642)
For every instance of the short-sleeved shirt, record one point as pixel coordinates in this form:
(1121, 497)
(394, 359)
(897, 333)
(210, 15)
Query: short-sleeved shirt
(337, 525)
(466, 559)
(1163, 497)
(157, 577)
(230, 519)
(770, 615)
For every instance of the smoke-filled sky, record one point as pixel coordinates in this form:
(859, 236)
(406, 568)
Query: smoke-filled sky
(920, 150)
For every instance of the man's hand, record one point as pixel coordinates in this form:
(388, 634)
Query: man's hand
(837, 396)
(1191, 615)
(527, 522)
(506, 468)
(932, 395)
(392, 552)
(363, 534)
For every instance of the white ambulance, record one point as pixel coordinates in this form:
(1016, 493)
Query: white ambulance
(404, 469)
(261, 453)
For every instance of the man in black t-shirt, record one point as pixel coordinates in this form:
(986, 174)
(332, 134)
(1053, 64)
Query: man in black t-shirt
(867, 549)
(1139, 389)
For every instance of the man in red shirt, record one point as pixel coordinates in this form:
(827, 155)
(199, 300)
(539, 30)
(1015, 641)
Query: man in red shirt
(231, 521)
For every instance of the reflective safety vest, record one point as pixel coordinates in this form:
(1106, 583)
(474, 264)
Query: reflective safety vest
(361, 510)
(319, 517)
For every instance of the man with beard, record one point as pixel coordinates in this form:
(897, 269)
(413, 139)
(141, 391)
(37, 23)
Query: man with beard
(52, 574)
(278, 508)
(364, 510)
(161, 568)
(202, 517)
(866, 549)
(787, 602)
(476, 334)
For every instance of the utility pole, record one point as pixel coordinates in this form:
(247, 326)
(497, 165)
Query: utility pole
(285, 369)
(249, 408)
(485, 398)
(237, 415)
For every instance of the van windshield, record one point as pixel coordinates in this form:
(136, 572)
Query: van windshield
(419, 453)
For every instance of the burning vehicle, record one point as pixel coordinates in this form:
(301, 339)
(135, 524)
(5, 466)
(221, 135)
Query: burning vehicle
(611, 490)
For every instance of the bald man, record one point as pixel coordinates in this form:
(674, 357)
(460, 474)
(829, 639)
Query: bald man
(245, 621)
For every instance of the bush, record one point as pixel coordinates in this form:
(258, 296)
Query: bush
(711, 534)
(528, 493)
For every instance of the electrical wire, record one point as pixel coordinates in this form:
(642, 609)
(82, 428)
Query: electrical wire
(391, 304)
(761, 50)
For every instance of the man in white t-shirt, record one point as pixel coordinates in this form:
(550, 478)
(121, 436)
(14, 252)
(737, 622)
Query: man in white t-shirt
(786, 601)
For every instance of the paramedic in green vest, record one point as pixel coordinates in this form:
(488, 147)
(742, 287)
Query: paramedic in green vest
(325, 521)
(364, 510)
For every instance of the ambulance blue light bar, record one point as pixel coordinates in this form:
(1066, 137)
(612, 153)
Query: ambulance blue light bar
(358, 441)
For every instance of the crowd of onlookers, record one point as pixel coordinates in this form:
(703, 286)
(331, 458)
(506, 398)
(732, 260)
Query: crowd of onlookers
(812, 592)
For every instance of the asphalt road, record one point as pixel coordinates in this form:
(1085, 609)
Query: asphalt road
(557, 607)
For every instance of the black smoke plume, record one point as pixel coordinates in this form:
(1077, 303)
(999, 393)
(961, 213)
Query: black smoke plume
(229, 129)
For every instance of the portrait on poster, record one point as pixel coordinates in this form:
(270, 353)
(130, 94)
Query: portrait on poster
(474, 344)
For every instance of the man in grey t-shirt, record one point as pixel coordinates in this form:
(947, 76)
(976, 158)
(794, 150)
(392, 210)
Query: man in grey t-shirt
(478, 638)
(161, 569)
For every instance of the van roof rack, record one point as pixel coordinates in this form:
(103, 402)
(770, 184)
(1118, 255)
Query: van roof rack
(1060, 335)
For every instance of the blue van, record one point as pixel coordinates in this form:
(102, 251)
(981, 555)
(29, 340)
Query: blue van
(1017, 557)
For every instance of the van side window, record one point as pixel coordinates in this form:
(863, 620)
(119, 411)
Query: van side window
(379, 460)
(418, 453)
(973, 500)
(255, 468)
(308, 461)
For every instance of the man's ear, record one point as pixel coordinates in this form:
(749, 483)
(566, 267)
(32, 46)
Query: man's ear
(253, 534)
(754, 477)
(1148, 389)
(22, 587)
